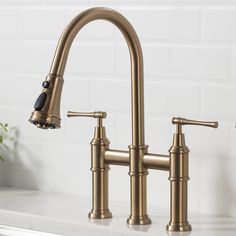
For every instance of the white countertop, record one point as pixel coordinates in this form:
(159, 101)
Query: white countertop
(68, 215)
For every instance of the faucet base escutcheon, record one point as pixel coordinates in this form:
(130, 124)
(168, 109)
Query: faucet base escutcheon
(139, 220)
(179, 227)
(103, 214)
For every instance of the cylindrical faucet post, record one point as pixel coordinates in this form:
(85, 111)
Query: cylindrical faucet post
(178, 185)
(100, 201)
(138, 195)
(99, 168)
(179, 175)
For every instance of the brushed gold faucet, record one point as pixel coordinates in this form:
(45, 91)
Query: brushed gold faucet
(178, 175)
(46, 115)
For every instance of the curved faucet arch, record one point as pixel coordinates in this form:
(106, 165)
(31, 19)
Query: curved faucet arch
(136, 57)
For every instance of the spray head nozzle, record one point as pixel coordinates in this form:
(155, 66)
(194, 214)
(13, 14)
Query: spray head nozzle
(46, 112)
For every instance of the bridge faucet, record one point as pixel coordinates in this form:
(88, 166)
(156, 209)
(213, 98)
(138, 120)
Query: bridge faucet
(46, 115)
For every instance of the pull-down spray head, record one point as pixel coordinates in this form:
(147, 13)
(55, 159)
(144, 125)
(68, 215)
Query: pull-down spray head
(47, 106)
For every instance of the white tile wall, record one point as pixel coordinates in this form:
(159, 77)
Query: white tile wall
(39, 17)
(189, 51)
(217, 24)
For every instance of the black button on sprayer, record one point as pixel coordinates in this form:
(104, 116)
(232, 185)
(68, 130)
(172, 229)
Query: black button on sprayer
(46, 84)
(40, 101)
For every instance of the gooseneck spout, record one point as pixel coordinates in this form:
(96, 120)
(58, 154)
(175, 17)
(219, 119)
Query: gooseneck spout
(62, 51)
(47, 106)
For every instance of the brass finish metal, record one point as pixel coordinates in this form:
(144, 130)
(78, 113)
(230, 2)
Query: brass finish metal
(182, 121)
(99, 144)
(96, 114)
(156, 161)
(150, 161)
(138, 206)
(47, 115)
(64, 44)
(138, 198)
(179, 177)
(58, 66)
(117, 157)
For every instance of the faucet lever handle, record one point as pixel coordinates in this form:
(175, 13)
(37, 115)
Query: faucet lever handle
(183, 121)
(95, 114)
(179, 121)
(99, 115)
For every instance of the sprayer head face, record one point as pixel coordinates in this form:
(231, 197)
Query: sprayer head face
(45, 121)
